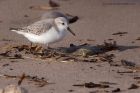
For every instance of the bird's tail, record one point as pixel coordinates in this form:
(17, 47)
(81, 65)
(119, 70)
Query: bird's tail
(17, 30)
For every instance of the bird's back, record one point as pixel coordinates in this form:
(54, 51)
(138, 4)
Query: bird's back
(39, 27)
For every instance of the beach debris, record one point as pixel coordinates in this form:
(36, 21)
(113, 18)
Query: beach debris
(17, 56)
(135, 69)
(5, 54)
(76, 53)
(136, 78)
(1, 21)
(138, 38)
(92, 85)
(5, 65)
(29, 49)
(53, 4)
(40, 82)
(71, 90)
(11, 55)
(133, 86)
(42, 7)
(115, 63)
(79, 59)
(118, 3)
(5, 39)
(99, 91)
(108, 83)
(84, 52)
(26, 16)
(116, 90)
(108, 46)
(107, 58)
(110, 39)
(90, 40)
(13, 89)
(21, 79)
(128, 63)
(50, 6)
(124, 63)
(120, 33)
(130, 71)
(133, 42)
(71, 18)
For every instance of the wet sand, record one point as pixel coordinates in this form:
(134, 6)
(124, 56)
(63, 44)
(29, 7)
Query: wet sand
(98, 20)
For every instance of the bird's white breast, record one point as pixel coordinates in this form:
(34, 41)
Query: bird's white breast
(48, 37)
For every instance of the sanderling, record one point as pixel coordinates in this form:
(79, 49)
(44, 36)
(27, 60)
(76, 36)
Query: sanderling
(46, 31)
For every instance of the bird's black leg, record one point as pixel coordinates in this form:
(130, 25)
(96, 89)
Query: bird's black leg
(31, 44)
(30, 47)
(48, 46)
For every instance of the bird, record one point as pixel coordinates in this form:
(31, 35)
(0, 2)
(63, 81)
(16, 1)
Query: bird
(45, 31)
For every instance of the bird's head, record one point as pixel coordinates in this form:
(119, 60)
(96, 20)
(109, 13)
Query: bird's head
(62, 24)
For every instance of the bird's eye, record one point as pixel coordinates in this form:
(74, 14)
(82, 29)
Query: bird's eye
(63, 24)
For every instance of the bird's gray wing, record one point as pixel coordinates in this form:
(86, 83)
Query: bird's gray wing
(39, 27)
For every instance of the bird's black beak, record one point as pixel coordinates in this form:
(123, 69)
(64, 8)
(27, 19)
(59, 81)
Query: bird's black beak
(71, 31)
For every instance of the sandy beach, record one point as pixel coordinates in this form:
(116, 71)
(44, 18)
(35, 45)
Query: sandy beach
(99, 21)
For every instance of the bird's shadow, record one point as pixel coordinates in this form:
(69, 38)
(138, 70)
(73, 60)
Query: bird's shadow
(124, 48)
(96, 49)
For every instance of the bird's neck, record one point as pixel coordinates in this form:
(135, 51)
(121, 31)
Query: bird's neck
(55, 27)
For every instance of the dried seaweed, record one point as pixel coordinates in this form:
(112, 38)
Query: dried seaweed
(107, 57)
(136, 78)
(5, 65)
(133, 86)
(72, 19)
(71, 90)
(135, 69)
(138, 38)
(80, 53)
(92, 85)
(5, 54)
(8, 54)
(21, 79)
(38, 81)
(120, 33)
(108, 83)
(128, 63)
(45, 7)
(108, 46)
(116, 90)
(53, 4)
(50, 6)
(26, 16)
(90, 40)
(75, 59)
(125, 71)
(4, 39)
(1, 21)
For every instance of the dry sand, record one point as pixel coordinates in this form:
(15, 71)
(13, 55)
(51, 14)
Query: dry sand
(99, 19)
